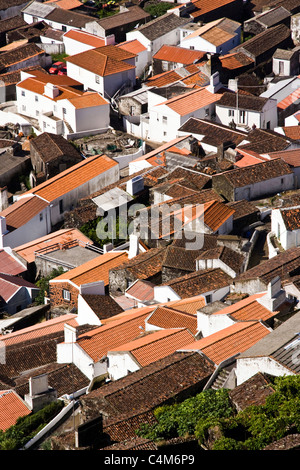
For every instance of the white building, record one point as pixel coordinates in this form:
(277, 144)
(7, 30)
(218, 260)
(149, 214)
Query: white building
(216, 37)
(162, 30)
(166, 116)
(60, 107)
(76, 41)
(38, 210)
(105, 70)
(247, 111)
(285, 224)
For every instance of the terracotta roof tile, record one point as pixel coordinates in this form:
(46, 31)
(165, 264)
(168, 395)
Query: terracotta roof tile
(12, 407)
(291, 218)
(141, 290)
(178, 54)
(289, 100)
(281, 265)
(191, 101)
(97, 269)
(199, 282)
(27, 251)
(144, 265)
(235, 60)
(38, 330)
(23, 210)
(85, 38)
(9, 264)
(205, 6)
(169, 317)
(125, 328)
(248, 309)
(134, 46)
(256, 173)
(155, 345)
(230, 341)
(253, 391)
(103, 61)
(73, 177)
(188, 305)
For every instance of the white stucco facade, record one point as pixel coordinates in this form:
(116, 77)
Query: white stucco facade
(247, 367)
(266, 118)
(287, 238)
(108, 85)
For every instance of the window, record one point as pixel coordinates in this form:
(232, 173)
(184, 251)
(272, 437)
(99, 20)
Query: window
(23, 93)
(208, 298)
(192, 48)
(242, 117)
(36, 98)
(66, 295)
(61, 206)
(23, 107)
(97, 79)
(64, 28)
(41, 217)
(64, 111)
(230, 112)
(165, 120)
(37, 112)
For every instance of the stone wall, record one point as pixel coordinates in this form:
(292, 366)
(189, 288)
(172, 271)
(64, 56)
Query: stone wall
(56, 295)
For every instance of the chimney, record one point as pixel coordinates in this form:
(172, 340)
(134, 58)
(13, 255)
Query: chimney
(215, 83)
(275, 295)
(51, 90)
(133, 246)
(233, 84)
(70, 334)
(40, 394)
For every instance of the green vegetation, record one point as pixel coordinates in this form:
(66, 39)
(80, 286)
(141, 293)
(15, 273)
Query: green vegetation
(103, 230)
(27, 427)
(59, 57)
(156, 8)
(211, 412)
(43, 285)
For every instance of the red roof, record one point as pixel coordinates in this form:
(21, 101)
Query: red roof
(191, 101)
(9, 264)
(12, 407)
(154, 346)
(178, 54)
(230, 341)
(286, 102)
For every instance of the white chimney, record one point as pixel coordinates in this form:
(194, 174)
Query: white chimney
(51, 90)
(215, 83)
(133, 246)
(275, 295)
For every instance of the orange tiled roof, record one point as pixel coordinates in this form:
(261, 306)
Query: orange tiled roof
(168, 317)
(191, 101)
(235, 60)
(134, 46)
(27, 250)
(157, 152)
(123, 328)
(103, 61)
(205, 6)
(12, 407)
(88, 100)
(164, 78)
(23, 210)
(66, 4)
(73, 177)
(94, 270)
(286, 102)
(178, 54)
(248, 309)
(230, 341)
(189, 305)
(39, 329)
(155, 346)
(85, 38)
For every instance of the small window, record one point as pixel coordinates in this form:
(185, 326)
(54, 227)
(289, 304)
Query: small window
(36, 98)
(165, 120)
(66, 295)
(97, 79)
(23, 107)
(208, 298)
(41, 217)
(23, 93)
(64, 111)
(64, 28)
(230, 112)
(61, 206)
